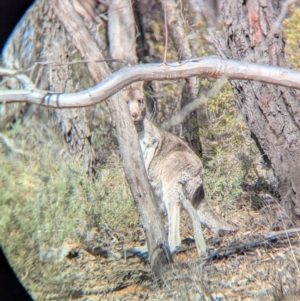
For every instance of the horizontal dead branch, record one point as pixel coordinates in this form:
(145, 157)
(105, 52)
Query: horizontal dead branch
(202, 67)
(274, 239)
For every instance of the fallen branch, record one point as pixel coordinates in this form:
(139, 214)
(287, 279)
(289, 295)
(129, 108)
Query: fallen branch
(269, 240)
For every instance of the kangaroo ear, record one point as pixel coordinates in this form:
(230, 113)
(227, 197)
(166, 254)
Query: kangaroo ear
(134, 91)
(137, 86)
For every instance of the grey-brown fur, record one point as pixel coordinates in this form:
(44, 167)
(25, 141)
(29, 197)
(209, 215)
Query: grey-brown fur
(175, 173)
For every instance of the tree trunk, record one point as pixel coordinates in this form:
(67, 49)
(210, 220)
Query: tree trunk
(272, 113)
(40, 38)
(121, 33)
(190, 127)
(211, 11)
(159, 254)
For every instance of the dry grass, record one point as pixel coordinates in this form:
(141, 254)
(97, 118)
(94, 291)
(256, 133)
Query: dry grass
(47, 202)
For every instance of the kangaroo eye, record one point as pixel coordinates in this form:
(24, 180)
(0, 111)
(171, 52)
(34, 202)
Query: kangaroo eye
(141, 101)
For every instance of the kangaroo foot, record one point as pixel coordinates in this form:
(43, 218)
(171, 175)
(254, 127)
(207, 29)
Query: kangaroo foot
(211, 220)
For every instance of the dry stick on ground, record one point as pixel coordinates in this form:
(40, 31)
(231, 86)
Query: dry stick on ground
(159, 254)
(269, 240)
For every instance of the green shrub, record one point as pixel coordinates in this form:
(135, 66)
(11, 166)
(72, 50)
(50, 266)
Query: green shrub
(46, 201)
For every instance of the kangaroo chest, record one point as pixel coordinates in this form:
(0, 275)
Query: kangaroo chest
(149, 144)
(149, 141)
(148, 147)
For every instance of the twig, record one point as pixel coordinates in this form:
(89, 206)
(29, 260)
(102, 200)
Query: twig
(186, 110)
(280, 18)
(82, 62)
(287, 233)
(268, 241)
(25, 80)
(10, 146)
(166, 32)
(99, 291)
(11, 72)
(18, 74)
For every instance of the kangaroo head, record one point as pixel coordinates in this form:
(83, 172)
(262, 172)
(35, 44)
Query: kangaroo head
(134, 97)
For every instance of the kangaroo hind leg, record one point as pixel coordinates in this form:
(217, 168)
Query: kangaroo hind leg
(198, 233)
(208, 217)
(173, 212)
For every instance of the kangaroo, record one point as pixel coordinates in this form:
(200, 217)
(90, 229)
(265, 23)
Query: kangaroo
(175, 174)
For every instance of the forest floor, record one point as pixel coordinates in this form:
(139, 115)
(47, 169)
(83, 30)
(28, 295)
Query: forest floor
(65, 234)
(266, 271)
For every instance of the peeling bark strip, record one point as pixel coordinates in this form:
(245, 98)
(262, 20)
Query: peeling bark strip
(272, 113)
(132, 160)
(203, 67)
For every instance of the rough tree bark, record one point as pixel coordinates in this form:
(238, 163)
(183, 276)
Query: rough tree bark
(272, 113)
(190, 127)
(211, 11)
(39, 37)
(135, 172)
(121, 33)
